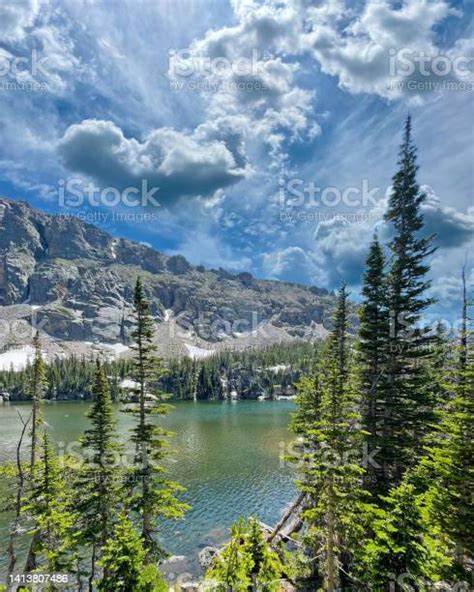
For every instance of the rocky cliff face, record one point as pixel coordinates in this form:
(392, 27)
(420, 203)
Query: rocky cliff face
(75, 283)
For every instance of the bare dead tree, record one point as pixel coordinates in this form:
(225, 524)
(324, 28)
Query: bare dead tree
(15, 527)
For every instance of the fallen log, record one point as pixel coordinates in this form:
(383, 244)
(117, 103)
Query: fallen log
(296, 506)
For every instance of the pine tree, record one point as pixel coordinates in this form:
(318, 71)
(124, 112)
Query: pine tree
(124, 562)
(372, 362)
(154, 495)
(37, 386)
(448, 464)
(408, 408)
(331, 476)
(232, 567)
(50, 504)
(99, 477)
(267, 568)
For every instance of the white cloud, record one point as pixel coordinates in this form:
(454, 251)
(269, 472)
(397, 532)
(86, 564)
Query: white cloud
(265, 92)
(340, 245)
(359, 52)
(290, 264)
(180, 164)
(16, 17)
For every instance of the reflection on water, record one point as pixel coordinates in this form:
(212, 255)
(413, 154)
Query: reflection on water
(226, 454)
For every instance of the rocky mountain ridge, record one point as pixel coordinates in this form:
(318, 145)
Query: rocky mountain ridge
(75, 282)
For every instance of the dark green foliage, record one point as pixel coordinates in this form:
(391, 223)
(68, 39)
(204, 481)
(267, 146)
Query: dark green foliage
(253, 371)
(153, 495)
(66, 378)
(330, 464)
(409, 403)
(99, 479)
(372, 359)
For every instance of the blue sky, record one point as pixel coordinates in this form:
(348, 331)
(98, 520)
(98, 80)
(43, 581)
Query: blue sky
(269, 129)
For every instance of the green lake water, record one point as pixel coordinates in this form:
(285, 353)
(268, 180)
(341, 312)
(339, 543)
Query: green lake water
(226, 454)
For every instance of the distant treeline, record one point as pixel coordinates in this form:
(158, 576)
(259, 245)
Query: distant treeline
(269, 371)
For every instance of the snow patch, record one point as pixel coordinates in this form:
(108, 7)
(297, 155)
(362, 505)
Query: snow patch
(198, 353)
(278, 368)
(127, 383)
(17, 358)
(113, 251)
(117, 348)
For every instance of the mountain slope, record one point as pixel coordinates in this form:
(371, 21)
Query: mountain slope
(75, 283)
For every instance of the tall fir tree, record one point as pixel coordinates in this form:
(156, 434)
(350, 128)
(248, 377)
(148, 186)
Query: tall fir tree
(36, 389)
(153, 494)
(331, 474)
(372, 358)
(99, 478)
(50, 504)
(408, 407)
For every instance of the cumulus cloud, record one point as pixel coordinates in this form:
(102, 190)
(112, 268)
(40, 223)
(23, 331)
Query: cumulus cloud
(448, 289)
(340, 245)
(180, 164)
(249, 66)
(364, 53)
(452, 227)
(292, 264)
(344, 244)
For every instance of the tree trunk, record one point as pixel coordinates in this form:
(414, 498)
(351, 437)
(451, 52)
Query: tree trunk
(92, 576)
(31, 563)
(331, 575)
(12, 558)
(285, 517)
